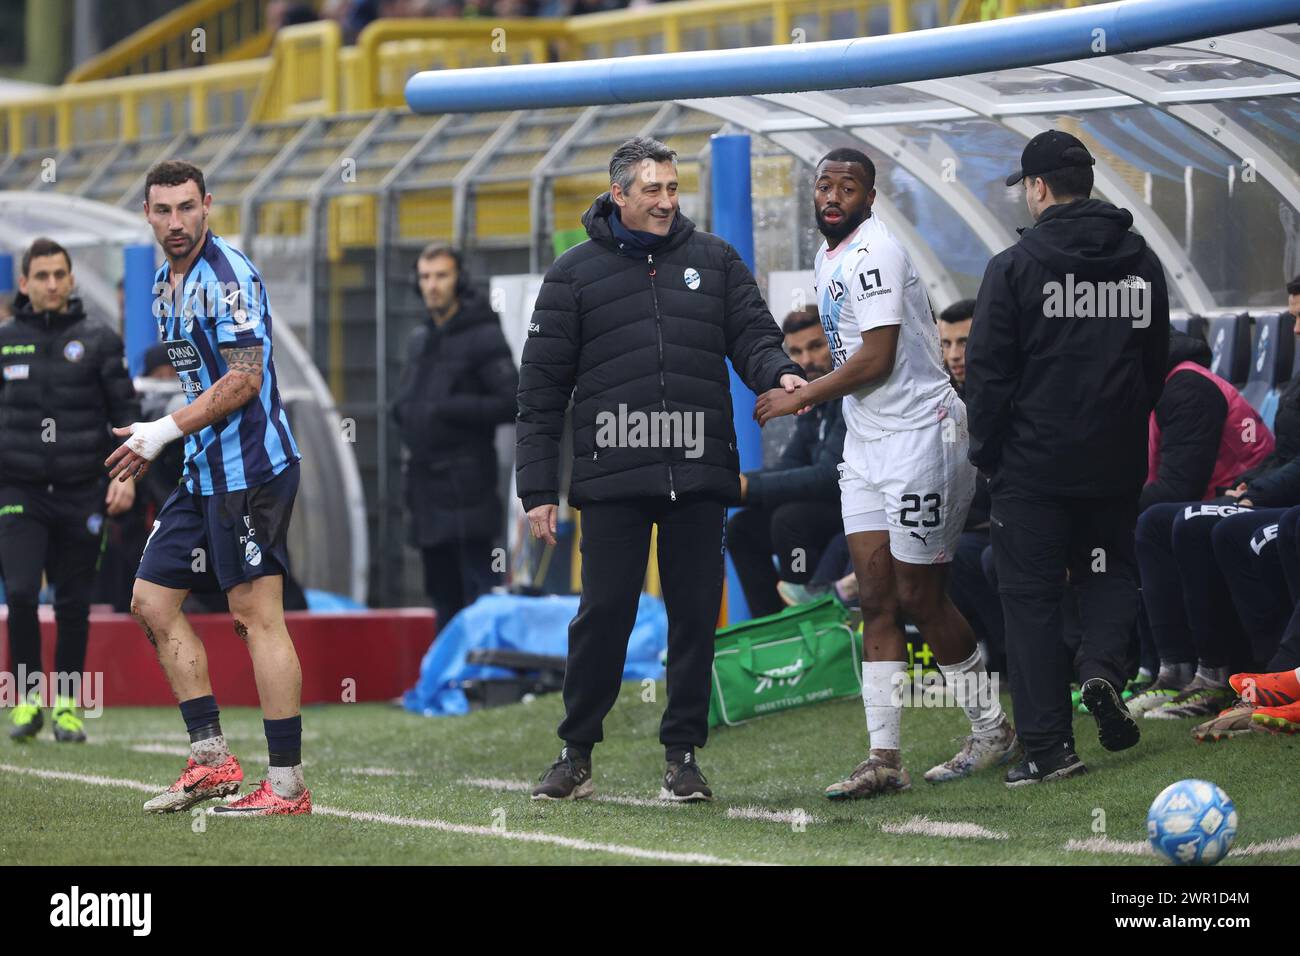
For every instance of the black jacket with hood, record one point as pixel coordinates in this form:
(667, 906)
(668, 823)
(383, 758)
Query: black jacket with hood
(64, 386)
(1190, 413)
(458, 384)
(651, 332)
(1058, 405)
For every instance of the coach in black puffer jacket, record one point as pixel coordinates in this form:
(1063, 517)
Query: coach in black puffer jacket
(650, 331)
(64, 371)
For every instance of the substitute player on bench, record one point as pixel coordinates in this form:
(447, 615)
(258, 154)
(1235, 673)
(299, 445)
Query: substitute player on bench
(225, 525)
(905, 484)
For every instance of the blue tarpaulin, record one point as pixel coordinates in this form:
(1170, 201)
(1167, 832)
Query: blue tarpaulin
(532, 625)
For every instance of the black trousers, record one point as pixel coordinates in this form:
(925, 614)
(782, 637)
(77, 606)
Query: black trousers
(796, 532)
(1036, 540)
(978, 602)
(455, 574)
(56, 530)
(1247, 549)
(615, 549)
(1184, 593)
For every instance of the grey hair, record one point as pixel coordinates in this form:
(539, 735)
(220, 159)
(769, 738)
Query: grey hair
(628, 159)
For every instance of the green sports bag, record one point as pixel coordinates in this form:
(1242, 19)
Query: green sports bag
(800, 656)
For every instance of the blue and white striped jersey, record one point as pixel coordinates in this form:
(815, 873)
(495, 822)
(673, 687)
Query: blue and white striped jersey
(224, 303)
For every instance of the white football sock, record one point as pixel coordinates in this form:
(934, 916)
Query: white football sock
(882, 696)
(969, 684)
(211, 751)
(287, 782)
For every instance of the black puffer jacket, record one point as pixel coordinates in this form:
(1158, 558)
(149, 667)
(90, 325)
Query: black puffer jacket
(1058, 405)
(651, 333)
(64, 385)
(459, 383)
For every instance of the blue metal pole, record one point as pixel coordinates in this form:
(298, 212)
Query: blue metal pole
(733, 220)
(1052, 37)
(140, 326)
(6, 274)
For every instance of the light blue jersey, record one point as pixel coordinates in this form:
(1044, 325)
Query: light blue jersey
(224, 303)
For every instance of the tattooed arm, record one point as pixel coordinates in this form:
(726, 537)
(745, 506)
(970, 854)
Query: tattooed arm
(239, 386)
(231, 392)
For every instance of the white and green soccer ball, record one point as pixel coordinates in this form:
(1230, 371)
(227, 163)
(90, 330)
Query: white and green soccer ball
(1192, 823)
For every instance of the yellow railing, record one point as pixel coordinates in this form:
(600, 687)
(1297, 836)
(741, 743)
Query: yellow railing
(201, 32)
(122, 110)
(310, 72)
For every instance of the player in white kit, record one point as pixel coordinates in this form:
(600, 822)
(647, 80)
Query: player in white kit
(905, 484)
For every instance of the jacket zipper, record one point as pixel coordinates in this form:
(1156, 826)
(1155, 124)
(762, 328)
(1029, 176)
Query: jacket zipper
(663, 388)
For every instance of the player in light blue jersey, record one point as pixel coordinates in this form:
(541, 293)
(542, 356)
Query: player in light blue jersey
(905, 482)
(226, 525)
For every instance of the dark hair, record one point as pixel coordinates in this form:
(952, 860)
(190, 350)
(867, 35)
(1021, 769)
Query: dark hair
(627, 159)
(1069, 182)
(435, 249)
(958, 311)
(174, 172)
(43, 247)
(800, 319)
(1293, 287)
(847, 154)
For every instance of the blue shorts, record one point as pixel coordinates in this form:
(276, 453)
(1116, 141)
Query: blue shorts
(214, 542)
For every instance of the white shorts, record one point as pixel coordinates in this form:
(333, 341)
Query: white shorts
(915, 484)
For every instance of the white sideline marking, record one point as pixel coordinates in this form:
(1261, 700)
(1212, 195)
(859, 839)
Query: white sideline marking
(924, 826)
(771, 816)
(378, 771)
(523, 836)
(1100, 844)
(1268, 846)
(520, 786)
(160, 749)
(81, 778)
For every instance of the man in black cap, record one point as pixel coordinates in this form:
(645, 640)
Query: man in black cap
(1064, 364)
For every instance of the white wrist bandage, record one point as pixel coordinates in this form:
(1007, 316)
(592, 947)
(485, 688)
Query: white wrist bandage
(148, 438)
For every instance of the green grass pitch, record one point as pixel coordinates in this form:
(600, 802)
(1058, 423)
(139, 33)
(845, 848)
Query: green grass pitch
(395, 788)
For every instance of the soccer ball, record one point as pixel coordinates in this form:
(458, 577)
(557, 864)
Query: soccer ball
(1192, 822)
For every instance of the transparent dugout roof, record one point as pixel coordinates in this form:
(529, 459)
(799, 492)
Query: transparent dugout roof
(1200, 141)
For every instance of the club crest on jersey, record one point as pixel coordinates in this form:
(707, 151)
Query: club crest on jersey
(836, 289)
(692, 279)
(95, 524)
(74, 351)
(252, 554)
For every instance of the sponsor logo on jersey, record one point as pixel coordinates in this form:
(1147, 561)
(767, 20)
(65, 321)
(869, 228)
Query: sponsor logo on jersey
(14, 373)
(74, 351)
(18, 350)
(183, 355)
(692, 279)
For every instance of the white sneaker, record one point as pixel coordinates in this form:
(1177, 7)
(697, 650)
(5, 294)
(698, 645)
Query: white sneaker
(979, 752)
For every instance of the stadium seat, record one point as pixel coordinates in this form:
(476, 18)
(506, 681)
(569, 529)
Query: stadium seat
(1195, 325)
(1229, 338)
(1270, 367)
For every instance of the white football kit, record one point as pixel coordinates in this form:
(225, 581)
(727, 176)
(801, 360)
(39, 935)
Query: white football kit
(905, 468)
